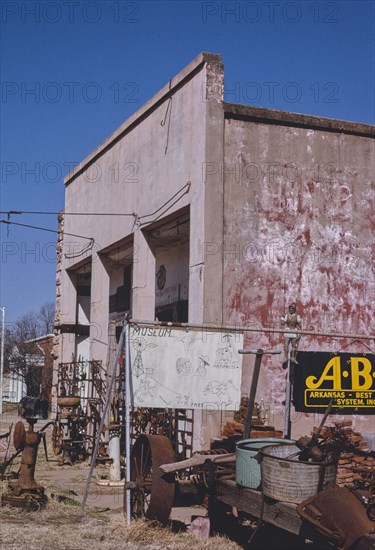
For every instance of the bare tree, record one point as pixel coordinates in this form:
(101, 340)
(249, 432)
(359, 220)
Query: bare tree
(24, 357)
(46, 318)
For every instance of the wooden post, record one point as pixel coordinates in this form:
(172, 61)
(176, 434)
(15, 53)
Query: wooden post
(254, 384)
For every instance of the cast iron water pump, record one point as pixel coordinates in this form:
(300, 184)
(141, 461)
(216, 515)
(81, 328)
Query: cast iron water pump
(25, 492)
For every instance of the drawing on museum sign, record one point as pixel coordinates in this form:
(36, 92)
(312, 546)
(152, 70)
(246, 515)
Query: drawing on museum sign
(177, 368)
(186, 337)
(146, 388)
(183, 400)
(202, 367)
(140, 344)
(225, 356)
(222, 391)
(183, 366)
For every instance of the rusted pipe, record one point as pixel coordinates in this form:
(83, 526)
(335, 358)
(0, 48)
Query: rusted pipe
(254, 384)
(238, 328)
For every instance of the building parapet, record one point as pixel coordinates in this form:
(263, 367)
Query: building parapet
(176, 82)
(286, 118)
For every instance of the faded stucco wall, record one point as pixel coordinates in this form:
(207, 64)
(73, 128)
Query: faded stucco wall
(299, 218)
(281, 209)
(136, 171)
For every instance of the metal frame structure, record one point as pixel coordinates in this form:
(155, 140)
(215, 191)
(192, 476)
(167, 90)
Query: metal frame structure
(86, 380)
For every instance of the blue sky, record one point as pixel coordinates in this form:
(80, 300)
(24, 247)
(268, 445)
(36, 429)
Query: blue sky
(72, 71)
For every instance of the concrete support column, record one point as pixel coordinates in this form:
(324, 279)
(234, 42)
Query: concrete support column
(68, 305)
(213, 249)
(143, 305)
(67, 314)
(99, 310)
(207, 274)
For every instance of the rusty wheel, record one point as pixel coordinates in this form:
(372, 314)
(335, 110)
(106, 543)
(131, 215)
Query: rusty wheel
(152, 492)
(57, 441)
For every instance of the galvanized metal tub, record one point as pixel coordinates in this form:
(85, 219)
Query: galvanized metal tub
(289, 479)
(247, 466)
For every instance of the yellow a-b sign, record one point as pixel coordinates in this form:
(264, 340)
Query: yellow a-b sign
(348, 378)
(360, 371)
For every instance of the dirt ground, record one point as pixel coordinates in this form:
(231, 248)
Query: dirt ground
(61, 525)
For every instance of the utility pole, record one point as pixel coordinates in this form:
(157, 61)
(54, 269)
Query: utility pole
(2, 358)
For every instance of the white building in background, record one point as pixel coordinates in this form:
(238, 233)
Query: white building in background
(14, 388)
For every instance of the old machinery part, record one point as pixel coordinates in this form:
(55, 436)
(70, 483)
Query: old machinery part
(57, 439)
(212, 472)
(366, 497)
(5, 444)
(19, 436)
(338, 514)
(371, 502)
(4, 465)
(82, 389)
(25, 492)
(33, 408)
(152, 421)
(195, 466)
(26, 479)
(212, 452)
(68, 402)
(68, 434)
(221, 471)
(175, 424)
(209, 474)
(198, 474)
(152, 491)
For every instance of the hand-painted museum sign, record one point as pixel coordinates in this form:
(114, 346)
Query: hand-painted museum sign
(191, 368)
(348, 378)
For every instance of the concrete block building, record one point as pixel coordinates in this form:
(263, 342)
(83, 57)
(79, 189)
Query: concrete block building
(201, 211)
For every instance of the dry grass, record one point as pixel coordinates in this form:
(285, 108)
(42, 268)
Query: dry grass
(61, 527)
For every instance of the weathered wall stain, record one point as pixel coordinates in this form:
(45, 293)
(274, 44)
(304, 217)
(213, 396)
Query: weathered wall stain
(299, 212)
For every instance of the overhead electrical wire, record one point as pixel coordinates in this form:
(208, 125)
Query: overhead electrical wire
(81, 252)
(62, 213)
(160, 211)
(45, 229)
(187, 185)
(132, 214)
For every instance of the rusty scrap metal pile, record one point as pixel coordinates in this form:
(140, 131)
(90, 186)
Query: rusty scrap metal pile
(81, 392)
(346, 511)
(356, 463)
(341, 443)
